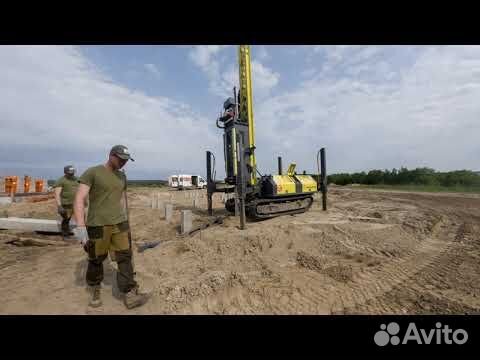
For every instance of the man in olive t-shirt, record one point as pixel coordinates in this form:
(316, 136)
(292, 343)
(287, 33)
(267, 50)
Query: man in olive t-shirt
(65, 189)
(107, 228)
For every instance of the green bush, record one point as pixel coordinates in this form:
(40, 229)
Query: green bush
(419, 176)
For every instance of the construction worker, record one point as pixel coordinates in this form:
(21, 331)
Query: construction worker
(65, 189)
(107, 228)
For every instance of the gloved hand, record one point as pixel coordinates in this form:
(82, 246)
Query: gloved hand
(81, 234)
(61, 211)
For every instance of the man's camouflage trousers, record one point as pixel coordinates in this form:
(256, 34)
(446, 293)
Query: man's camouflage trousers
(66, 219)
(113, 240)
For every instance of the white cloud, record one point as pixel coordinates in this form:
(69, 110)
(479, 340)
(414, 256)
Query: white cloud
(308, 72)
(378, 107)
(262, 53)
(264, 79)
(380, 113)
(202, 55)
(52, 98)
(153, 69)
(223, 74)
(373, 107)
(205, 57)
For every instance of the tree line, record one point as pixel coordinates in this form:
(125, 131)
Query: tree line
(403, 176)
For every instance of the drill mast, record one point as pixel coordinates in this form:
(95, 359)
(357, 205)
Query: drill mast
(246, 103)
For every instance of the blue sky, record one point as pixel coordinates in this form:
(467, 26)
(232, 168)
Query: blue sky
(370, 106)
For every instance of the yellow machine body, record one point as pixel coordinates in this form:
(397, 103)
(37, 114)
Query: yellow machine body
(291, 169)
(284, 184)
(281, 185)
(308, 183)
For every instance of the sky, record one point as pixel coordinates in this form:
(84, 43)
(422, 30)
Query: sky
(371, 107)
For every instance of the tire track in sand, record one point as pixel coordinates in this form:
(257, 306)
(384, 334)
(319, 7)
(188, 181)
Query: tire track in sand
(371, 284)
(432, 260)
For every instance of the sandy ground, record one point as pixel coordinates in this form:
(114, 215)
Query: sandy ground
(372, 252)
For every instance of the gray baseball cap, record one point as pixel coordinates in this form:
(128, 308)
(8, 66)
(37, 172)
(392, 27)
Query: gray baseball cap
(122, 152)
(69, 169)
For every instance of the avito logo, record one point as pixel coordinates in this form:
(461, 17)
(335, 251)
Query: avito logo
(390, 335)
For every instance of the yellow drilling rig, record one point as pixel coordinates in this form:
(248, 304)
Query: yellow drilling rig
(263, 196)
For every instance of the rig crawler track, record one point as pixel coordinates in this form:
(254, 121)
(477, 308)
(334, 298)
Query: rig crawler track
(270, 208)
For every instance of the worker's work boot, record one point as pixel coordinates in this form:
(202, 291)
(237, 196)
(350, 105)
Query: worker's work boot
(65, 232)
(95, 300)
(66, 229)
(135, 298)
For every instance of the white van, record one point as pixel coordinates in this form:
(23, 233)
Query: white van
(183, 181)
(173, 181)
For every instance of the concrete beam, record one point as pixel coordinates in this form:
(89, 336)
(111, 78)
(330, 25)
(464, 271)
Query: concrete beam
(14, 223)
(155, 201)
(152, 202)
(168, 212)
(162, 211)
(186, 221)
